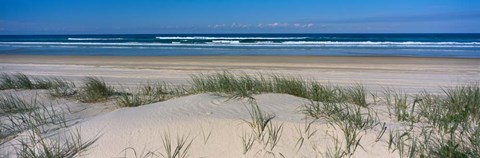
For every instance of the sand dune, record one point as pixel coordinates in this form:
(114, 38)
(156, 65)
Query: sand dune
(216, 124)
(143, 128)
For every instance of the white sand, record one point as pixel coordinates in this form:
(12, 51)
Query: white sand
(143, 128)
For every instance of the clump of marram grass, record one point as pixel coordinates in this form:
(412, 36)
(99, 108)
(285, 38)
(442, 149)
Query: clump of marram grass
(349, 119)
(94, 90)
(357, 95)
(259, 121)
(11, 108)
(61, 88)
(290, 85)
(325, 93)
(435, 142)
(341, 113)
(37, 120)
(263, 131)
(159, 92)
(248, 140)
(451, 126)
(7, 82)
(22, 81)
(11, 104)
(463, 103)
(447, 110)
(456, 106)
(178, 149)
(129, 100)
(274, 135)
(245, 85)
(150, 93)
(304, 133)
(172, 148)
(41, 116)
(398, 105)
(35, 145)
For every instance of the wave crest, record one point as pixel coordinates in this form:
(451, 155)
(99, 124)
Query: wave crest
(94, 39)
(228, 38)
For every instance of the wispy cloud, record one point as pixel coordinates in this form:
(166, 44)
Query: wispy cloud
(401, 18)
(217, 26)
(263, 25)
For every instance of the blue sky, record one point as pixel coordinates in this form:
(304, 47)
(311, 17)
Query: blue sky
(238, 16)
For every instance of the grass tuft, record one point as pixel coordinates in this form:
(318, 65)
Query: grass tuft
(357, 95)
(129, 100)
(11, 104)
(61, 88)
(398, 105)
(37, 146)
(94, 90)
(22, 81)
(243, 86)
(349, 119)
(178, 149)
(247, 141)
(258, 121)
(146, 95)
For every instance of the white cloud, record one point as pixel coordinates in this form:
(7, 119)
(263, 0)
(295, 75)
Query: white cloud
(216, 26)
(235, 25)
(263, 25)
(303, 25)
(274, 25)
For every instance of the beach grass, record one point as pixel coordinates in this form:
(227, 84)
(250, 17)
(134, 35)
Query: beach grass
(352, 121)
(398, 105)
(22, 81)
(246, 85)
(357, 94)
(449, 125)
(129, 100)
(248, 140)
(262, 130)
(259, 121)
(38, 146)
(37, 115)
(445, 110)
(94, 90)
(11, 104)
(236, 86)
(146, 94)
(176, 149)
(36, 119)
(444, 124)
(61, 88)
(342, 113)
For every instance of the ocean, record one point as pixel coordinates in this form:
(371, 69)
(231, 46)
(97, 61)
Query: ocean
(416, 45)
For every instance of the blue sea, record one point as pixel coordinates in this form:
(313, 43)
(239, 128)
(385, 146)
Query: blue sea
(417, 45)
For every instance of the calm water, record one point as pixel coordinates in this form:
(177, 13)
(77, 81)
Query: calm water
(422, 45)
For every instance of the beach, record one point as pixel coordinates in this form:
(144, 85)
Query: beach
(409, 73)
(213, 125)
(240, 79)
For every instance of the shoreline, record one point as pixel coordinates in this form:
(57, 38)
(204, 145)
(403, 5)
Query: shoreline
(329, 59)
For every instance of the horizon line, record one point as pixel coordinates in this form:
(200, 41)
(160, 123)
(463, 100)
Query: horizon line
(230, 33)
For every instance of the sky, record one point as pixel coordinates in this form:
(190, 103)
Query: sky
(238, 16)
